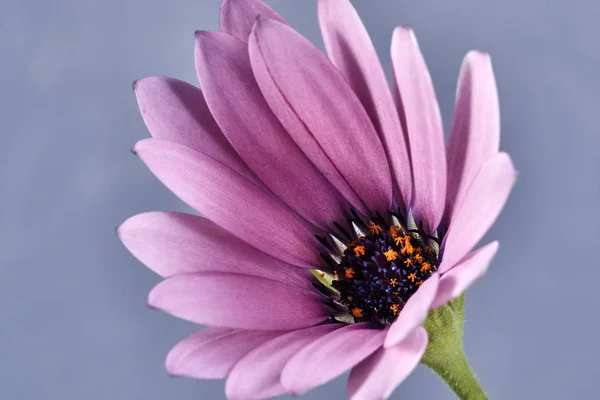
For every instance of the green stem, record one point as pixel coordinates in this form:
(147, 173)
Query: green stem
(456, 372)
(445, 354)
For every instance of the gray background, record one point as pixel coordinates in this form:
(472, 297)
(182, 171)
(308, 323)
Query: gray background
(74, 324)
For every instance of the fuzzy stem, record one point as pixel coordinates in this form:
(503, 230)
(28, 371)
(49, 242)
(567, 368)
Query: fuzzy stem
(453, 368)
(445, 354)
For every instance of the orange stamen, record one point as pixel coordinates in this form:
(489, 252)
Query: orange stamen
(374, 228)
(394, 231)
(349, 273)
(359, 251)
(408, 249)
(357, 312)
(390, 255)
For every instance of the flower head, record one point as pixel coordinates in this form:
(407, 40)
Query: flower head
(301, 163)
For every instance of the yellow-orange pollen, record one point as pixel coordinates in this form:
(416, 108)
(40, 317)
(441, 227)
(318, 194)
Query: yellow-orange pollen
(359, 251)
(395, 231)
(349, 273)
(390, 255)
(425, 267)
(375, 229)
(357, 312)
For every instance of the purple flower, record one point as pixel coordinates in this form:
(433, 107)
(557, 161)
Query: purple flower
(335, 215)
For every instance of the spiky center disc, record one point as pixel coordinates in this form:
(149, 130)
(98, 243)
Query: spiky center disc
(375, 274)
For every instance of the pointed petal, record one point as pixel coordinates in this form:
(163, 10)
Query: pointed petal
(414, 312)
(237, 16)
(211, 353)
(454, 282)
(330, 356)
(350, 49)
(176, 111)
(320, 111)
(173, 243)
(238, 301)
(231, 201)
(420, 114)
(475, 131)
(482, 204)
(257, 375)
(377, 376)
(237, 104)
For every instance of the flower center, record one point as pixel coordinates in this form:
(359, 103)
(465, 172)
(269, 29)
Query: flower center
(376, 269)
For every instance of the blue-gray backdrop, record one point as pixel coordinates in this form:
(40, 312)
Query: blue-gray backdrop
(73, 319)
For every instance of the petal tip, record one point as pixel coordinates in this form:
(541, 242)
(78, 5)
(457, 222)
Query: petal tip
(153, 297)
(171, 363)
(140, 146)
(477, 54)
(262, 21)
(494, 246)
(128, 225)
(403, 30)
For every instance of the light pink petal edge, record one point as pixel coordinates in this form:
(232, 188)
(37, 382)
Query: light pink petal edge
(330, 356)
(456, 281)
(172, 243)
(376, 377)
(211, 353)
(237, 16)
(257, 375)
(482, 204)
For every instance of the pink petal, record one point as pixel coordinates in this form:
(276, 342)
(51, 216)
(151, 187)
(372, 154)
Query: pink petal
(330, 356)
(231, 201)
(176, 111)
(321, 112)
(172, 243)
(377, 376)
(237, 104)
(238, 301)
(482, 204)
(237, 16)
(475, 132)
(454, 282)
(211, 353)
(414, 312)
(420, 114)
(257, 375)
(350, 49)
